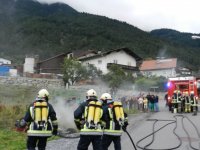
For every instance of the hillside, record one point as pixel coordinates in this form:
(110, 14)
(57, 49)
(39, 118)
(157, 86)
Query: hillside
(28, 27)
(176, 37)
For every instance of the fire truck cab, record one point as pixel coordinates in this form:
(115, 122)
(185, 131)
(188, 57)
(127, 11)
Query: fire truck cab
(183, 84)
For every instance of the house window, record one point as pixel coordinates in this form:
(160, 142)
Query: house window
(70, 55)
(99, 61)
(115, 61)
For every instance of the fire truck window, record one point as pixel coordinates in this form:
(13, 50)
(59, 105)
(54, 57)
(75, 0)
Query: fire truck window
(183, 87)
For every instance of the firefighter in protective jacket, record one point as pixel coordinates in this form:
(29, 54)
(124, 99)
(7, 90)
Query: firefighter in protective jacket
(87, 118)
(193, 102)
(115, 120)
(41, 121)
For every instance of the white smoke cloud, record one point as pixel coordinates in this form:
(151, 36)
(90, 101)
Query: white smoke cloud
(65, 113)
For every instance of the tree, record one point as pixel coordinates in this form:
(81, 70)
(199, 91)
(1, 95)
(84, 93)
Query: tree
(93, 72)
(145, 84)
(114, 78)
(73, 71)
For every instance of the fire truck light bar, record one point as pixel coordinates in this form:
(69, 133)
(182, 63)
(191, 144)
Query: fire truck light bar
(181, 78)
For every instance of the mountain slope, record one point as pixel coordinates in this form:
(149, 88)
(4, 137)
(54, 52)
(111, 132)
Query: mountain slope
(28, 27)
(185, 39)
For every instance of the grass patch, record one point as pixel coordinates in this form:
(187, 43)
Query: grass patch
(12, 140)
(14, 101)
(9, 114)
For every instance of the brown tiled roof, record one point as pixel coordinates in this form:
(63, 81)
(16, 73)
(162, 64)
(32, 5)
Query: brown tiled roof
(158, 64)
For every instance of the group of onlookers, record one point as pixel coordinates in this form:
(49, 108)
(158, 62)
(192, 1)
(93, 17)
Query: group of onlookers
(148, 103)
(142, 102)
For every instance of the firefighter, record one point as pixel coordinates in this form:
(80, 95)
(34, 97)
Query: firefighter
(179, 101)
(183, 97)
(187, 103)
(174, 102)
(38, 117)
(87, 118)
(193, 103)
(115, 120)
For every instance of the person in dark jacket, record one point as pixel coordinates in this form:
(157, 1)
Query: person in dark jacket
(113, 123)
(90, 127)
(37, 118)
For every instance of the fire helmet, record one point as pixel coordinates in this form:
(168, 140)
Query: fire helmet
(43, 93)
(106, 96)
(91, 94)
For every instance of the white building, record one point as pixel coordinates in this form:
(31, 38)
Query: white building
(159, 67)
(4, 61)
(29, 64)
(123, 57)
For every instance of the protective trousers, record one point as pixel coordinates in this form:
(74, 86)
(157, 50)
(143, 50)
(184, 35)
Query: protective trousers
(85, 141)
(108, 139)
(36, 141)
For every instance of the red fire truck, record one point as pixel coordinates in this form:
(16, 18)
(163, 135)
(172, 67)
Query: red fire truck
(183, 84)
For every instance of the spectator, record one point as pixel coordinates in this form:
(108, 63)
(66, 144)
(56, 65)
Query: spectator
(145, 104)
(140, 103)
(156, 99)
(152, 99)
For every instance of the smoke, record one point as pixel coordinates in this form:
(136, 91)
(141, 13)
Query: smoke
(162, 53)
(64, 111)
(65, 108)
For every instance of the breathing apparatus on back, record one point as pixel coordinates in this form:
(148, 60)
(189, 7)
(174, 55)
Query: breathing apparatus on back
(93, 112)
(116, 106)
(40, 112)
(119, 112)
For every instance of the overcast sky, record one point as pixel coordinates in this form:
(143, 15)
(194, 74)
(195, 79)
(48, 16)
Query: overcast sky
(181, 15)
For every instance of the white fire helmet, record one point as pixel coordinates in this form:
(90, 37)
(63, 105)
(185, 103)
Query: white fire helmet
(43, 93)
(106, 96)
(91, 94)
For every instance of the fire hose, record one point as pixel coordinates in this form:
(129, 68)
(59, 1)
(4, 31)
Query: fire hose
(179, 138)
(130, 138)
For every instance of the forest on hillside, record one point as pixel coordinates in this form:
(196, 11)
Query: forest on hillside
(31, 28)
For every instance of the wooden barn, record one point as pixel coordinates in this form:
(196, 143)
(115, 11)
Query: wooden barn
(52, 65)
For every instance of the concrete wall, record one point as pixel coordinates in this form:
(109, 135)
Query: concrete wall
(43, 83)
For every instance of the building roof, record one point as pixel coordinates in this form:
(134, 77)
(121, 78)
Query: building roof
(130, 52)
(63, 54)
(159, 64)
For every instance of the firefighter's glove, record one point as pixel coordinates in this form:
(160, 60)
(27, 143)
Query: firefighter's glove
(124, 126)
(20, 123)
(55, 132)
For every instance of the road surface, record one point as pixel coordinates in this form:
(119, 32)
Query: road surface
(177, 132)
